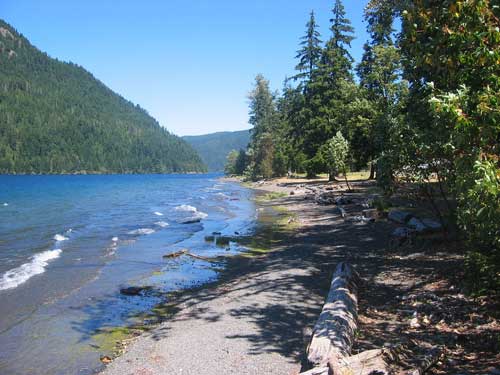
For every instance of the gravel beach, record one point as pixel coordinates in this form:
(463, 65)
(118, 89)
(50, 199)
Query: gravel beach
(258, 318)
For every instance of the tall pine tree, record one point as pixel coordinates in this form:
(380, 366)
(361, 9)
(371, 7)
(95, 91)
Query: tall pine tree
(328, 91)
(309, 55)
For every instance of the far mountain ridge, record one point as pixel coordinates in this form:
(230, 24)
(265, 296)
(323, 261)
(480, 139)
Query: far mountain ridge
(214, 147)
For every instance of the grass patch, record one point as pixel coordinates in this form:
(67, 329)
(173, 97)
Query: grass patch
(271, 196)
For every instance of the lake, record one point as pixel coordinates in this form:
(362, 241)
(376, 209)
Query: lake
(69, 243)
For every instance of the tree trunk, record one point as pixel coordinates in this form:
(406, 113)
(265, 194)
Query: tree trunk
(333, 334)
(346, 181)
(372, 171)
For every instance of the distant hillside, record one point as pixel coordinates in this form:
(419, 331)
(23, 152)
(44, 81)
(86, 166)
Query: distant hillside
(55, 117)
(213, 148)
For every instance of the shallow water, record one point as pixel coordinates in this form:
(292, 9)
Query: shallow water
(68, 243)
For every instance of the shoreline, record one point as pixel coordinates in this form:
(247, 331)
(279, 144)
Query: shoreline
(258, 316)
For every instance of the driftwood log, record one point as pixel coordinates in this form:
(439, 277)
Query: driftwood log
(333, 336)
(176, 254)
(186, 252)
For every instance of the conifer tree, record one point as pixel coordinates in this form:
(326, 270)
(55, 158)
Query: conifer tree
(379, 73)
(329, 90)
(264, 118)
(310, 54)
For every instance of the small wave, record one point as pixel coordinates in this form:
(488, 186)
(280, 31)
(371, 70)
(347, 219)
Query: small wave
(141, 231)
(114, 239)
(185, 208)
(23, 273)
(195, 218)
(5, 204)
(60, 237)
(162, 224)
(158, 213)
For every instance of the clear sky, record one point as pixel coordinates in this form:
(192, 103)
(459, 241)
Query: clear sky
(189, 63)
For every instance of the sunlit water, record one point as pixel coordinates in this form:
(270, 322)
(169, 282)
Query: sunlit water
(68, 243)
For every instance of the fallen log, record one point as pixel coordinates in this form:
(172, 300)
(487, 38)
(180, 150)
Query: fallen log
(186, 252)
(199, 257)
(176, 254)
(329, 351)
(333, 334)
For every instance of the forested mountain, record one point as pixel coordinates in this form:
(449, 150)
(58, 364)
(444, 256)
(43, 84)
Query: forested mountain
(55, 117)
(214, 148)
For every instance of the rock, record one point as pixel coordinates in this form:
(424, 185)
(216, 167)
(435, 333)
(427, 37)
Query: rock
(414, 323)
(135, 290)
(416, 224)
(362, 219)
(424, 225)
(342, 212)
(342, 200)
(292, 193)
(372, 213)
(216, 233)
(402, 232)
(432, 224)
(191, 220)
(105, 359)
(398, 216)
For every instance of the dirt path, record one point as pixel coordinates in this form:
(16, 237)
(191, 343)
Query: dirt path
(258, 319)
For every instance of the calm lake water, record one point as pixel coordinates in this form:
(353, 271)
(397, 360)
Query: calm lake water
(69, 243)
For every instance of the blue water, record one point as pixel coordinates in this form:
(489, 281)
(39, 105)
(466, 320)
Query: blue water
(69, 243)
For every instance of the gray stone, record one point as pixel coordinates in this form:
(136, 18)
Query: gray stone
(417, 224)
(398, 216)
(402, 232)
(432, 224)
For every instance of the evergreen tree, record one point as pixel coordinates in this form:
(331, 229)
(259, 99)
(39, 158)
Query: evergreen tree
(337, 61)
(262, 109)
(379, 73)
(310, 54)
(329, 90)
(231, 160)
(264, 118)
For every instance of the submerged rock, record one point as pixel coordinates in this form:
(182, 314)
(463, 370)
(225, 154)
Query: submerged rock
(136, 290)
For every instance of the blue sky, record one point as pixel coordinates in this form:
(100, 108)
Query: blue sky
(189, 63)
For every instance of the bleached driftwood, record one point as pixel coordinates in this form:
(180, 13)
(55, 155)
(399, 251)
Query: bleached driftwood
(333, 334)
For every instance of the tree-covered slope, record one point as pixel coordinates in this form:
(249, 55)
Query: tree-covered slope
(213, 148)
(55, 117)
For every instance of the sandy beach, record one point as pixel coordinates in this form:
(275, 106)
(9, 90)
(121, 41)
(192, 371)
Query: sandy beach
(258, 318)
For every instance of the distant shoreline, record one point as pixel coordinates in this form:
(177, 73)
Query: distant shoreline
(95, 173)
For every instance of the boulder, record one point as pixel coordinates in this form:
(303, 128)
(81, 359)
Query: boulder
(417, 224)
(372, 213)
(398, 216)
(402, 232)
(432, 224)
(424, 225)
